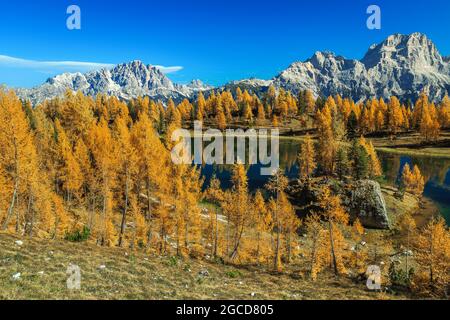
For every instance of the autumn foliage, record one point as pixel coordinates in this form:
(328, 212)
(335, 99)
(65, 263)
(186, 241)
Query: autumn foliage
(103, 166)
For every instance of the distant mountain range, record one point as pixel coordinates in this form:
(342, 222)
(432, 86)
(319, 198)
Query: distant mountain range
(402, 65)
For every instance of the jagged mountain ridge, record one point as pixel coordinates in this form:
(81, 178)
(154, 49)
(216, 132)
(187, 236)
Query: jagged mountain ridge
(401, 65)
(125, 81)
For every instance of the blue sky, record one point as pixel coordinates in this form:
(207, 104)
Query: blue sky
(215, 41)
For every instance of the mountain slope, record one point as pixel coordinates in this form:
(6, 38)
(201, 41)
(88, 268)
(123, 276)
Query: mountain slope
(125, 81)
(134, 275)
(402, 65)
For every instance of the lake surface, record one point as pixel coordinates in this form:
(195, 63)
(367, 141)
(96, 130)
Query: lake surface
(435, 170)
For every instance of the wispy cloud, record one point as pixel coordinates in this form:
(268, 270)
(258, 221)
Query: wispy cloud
(169, 69)
(13, 62)
(55, 66)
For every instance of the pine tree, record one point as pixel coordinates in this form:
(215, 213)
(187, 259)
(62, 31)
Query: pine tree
(444, 112)
(407, 226)
(429, 125)
(221, 120)
(289, 223)
(433, 258)
(342, 163)
(319, 250)
(412, 181)
(126, 168)
(215, 195)
(326, 146)
(335, 216)
(153, 169)
(277, 185)
(306, 159)
(263, 223)
(359, 252)
(103, 150)
(236, 205)
(247, 113)
(18, 157)
(359, 159)
(275, 121)
(310, 102)
(374, 165)
(261, 116)
(70, 171)
(395, 116)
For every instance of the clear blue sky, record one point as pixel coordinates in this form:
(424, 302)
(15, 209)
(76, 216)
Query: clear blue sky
(215, 40)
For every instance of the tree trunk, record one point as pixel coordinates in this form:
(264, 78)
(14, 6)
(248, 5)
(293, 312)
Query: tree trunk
(30, 218)
(11, 208)
(276, 262)
(431, 258)
(288, 241)
(333, 255)
(17, 215)
(258, 239)
(103, 236)
(216, 234)
(125, 209)
(237, 243)
(313, 254)
(186, 231)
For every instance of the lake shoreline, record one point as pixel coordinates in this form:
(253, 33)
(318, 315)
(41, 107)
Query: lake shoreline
(421, 209)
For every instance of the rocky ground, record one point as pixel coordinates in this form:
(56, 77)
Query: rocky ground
(36, 269)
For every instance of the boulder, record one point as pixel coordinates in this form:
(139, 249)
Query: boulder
(366, 202)
(363, 199)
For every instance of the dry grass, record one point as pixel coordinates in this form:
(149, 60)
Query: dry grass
(134, 275)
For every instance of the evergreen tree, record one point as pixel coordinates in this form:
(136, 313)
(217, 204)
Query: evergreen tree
(359, 160)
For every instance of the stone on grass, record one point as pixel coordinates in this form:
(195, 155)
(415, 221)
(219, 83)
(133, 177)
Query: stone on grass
(16, 276)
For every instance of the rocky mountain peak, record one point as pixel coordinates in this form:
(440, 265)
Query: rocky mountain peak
(198, 84)
(320, 58)
(415, 49)
(401, 65)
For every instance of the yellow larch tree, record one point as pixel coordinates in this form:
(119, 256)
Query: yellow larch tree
(395, 116)
(126, 168)
(375, 169)
(359, 252)
(261, 114)
(70, 173)
(319, 251)
(412, 181)
(277, 186)
(433, 258)
(18, 158)
(262, 225)
(336, 216)
(310, 102)
(236, 207)
(289, 223)
(221, 120)
(306, 159)
(326, 147)
(444, 112)
(215, 195)
(153, 169)
(104, 150)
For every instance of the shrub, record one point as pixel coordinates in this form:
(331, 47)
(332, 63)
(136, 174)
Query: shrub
(78, 236)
